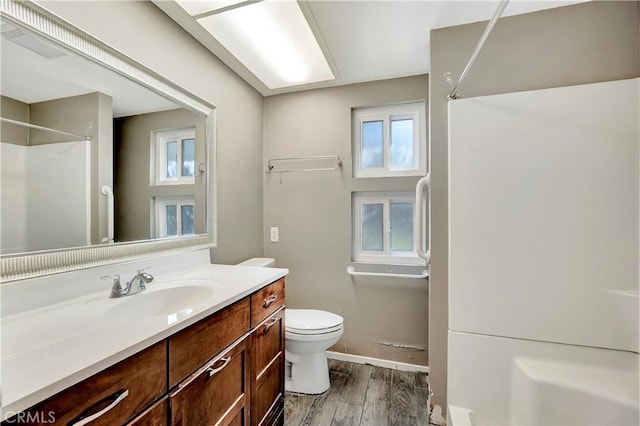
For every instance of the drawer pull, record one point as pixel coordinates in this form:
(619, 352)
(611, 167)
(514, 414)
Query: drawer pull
(117, 399)
(270, 324)
(212, 371)
(269, 300)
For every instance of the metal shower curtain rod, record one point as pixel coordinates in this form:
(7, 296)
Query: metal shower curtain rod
(47, 129)
(487, 32)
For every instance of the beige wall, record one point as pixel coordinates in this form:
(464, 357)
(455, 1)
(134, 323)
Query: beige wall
(585, 43)
(132, 153)
(92, 115)
(146, 34)
(15, 110)
(313, 213)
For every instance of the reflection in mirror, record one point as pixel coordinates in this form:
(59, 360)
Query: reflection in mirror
(159, 166)
(74, 131)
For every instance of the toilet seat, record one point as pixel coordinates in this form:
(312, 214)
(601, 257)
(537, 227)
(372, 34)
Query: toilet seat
(306, 322)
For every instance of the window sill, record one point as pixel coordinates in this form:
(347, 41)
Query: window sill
(389, 174)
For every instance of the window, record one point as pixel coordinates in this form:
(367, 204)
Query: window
(383, 228)
(175, 156)
(174, 216)
(389, 141)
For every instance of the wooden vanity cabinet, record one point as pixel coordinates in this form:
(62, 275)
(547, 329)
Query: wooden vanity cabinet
(267, 356)
(226, 369)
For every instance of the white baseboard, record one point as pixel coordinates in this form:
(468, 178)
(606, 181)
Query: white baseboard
(402, 366)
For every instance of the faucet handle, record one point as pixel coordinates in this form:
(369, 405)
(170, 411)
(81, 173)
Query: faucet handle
(116, 290)
(116, 278)
(147, 277)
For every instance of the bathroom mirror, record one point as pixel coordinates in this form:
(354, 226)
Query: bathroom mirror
(103, 160)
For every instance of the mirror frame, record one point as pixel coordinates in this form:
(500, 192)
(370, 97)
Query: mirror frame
(32, 17)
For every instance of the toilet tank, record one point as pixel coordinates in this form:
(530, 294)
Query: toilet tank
(265, 262)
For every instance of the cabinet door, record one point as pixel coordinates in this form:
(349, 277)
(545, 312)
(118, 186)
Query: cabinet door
(216, 393)
(267, 369)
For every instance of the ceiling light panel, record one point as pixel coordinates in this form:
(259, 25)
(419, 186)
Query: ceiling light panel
(196, 7)
(273, 40)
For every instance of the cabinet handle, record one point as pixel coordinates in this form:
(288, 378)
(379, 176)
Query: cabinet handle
(212, 371)
(270, 324)
(269, 300)
(117, 397)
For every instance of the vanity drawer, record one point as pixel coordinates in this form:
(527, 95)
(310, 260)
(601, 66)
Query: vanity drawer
(156, 415)
(192, 347)
(119, 392)
(216, 393)
(268, 342)
(267, 301)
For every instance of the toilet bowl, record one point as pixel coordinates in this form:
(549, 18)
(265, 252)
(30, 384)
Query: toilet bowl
(308, 334)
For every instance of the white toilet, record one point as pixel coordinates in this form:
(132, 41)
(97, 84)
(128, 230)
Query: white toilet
(308, 334)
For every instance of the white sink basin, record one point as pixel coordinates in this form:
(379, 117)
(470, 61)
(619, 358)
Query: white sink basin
(173, 302)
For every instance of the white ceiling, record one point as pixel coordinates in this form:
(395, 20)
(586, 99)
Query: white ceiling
(368, 40)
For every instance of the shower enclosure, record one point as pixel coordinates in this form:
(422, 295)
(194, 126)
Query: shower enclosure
(45, 196)
(544, 261)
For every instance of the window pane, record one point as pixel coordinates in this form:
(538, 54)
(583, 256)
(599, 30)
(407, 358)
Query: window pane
(172, 159)
(372, 227)
(401, 144)
(172, 220)
(187, 221)
(372, 144)
(188, 157)
(401, 227)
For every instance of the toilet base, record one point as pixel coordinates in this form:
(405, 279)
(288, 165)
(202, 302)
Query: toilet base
(309, 374)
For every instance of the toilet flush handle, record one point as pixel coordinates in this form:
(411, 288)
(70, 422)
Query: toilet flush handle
(269, 300)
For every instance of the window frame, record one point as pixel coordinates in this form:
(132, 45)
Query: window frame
(411, 110)
(159, 156)
(160, 214)
(386, 256)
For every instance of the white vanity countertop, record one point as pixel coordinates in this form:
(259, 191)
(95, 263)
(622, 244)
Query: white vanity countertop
(46, 350)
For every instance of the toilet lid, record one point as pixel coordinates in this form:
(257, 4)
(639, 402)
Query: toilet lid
(311, 321)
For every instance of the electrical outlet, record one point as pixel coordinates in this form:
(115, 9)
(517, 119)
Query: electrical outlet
(274, 234)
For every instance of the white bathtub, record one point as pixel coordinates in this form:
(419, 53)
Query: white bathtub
(503, 381)
(549, 393)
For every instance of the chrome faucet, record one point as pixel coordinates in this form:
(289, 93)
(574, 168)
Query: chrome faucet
(136, 285)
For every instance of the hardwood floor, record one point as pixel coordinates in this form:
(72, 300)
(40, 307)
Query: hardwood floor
(362, 395)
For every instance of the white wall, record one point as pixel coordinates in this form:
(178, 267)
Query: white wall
(383, 318)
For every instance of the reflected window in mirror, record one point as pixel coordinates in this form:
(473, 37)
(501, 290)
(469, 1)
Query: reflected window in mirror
(158, 155)
(175, 216)
(175, 156)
